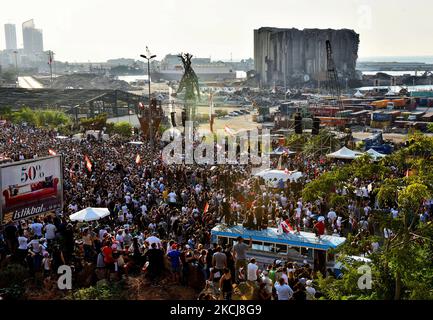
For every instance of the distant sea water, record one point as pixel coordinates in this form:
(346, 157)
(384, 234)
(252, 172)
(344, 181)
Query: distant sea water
(129, 79)
(422, 59)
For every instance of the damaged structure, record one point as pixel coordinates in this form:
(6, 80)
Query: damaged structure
(293, 56)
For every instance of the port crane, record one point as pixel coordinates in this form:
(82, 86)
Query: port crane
(332, 76)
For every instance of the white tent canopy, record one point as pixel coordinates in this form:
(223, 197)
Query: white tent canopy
(272, 176)
(344, 153)
(90, 214)
(358, 94)
(374, 154)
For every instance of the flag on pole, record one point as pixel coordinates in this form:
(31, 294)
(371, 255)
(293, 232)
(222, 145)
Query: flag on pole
(229, 130)
(52, 152)
(88, 163)
(138, 159)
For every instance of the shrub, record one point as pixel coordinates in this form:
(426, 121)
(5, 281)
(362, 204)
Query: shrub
(123, 128)
(11, 281)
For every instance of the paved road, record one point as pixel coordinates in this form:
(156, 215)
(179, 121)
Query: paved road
(29, 83)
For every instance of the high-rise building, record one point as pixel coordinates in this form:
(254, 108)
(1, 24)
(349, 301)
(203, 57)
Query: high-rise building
(32, 38)
(11, 36)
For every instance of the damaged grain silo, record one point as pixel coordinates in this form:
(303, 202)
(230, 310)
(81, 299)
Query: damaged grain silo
(292, 56)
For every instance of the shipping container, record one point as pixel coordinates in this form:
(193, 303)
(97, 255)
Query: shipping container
(380, 124)
(380, 103)
(394, 114)
(398, 103)
(334, 122)
(324, 111)
(381, 116)
(343, 114)
(417, 114)
(428, 117)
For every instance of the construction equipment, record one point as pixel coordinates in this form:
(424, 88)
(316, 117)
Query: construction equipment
(332, 76)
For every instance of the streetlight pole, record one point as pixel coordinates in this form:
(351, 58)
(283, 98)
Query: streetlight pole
(50, 63)
(148, 58)
(16, 63)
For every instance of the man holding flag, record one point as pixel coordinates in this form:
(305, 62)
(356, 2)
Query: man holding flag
(88, 163)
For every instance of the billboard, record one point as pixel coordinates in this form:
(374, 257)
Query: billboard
(30, 188)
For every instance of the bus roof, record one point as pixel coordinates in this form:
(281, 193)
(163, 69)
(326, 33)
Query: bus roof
(304, 239)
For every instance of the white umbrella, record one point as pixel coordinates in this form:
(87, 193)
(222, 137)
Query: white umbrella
(280, 150)
(136, 142)
(274, 176)
(90, 214)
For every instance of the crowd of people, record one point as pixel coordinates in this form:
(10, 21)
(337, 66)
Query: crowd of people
(161, 217)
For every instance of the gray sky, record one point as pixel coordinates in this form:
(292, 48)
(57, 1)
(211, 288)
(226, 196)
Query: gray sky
(83, 30)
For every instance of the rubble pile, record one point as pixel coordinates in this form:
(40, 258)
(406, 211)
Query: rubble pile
(89, 81)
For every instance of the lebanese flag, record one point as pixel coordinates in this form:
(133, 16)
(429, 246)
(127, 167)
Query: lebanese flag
(138, 159)
(206, 207)
(286, 226)
(88, 163)
(52, 152)
(229, 130)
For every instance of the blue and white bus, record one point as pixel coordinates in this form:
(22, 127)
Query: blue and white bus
(268, 245)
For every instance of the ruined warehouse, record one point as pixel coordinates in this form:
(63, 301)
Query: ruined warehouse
(300, 55)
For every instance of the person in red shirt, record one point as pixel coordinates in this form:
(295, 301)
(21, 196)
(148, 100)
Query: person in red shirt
(319, 228)
(107, 252)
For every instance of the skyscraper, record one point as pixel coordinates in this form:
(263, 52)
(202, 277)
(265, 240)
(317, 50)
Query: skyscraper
(11, 36)
(32, 38)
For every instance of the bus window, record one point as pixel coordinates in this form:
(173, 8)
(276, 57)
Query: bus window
(281, 248)
(258, 245)
(223, 241)
(307, 252)
(269, 247)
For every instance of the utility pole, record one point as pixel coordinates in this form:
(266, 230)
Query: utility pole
(16, 63)
(149, 57)
(50, 63)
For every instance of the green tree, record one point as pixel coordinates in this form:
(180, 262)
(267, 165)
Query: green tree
(123, 128)
(97, 123)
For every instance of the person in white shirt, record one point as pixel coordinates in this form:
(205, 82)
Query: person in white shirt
(128, 198)
(310, 291)
(332, 215)
(50, 231)
(267, 281)
(143, 209)
(154, 239)
(284, 292)
(172, 197)
(394, 213)
(119, 237)
(253, 270)
(36, 227)
(102, 232)
(22, 246)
